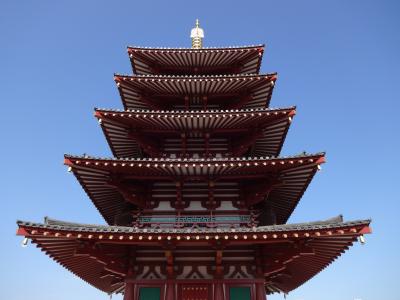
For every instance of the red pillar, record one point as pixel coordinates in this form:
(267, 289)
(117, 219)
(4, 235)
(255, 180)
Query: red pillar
(260, 291)
(218, 291)
(170, 292)
(129, 291)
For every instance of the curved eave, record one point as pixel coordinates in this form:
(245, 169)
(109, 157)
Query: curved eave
(172, 49)
(324, 242)
(117, 125)
(146, 92)
(245, 59)
(53, 228)
(294, 173)
(195, 166)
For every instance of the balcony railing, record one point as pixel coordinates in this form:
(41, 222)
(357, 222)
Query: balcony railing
(200, 221)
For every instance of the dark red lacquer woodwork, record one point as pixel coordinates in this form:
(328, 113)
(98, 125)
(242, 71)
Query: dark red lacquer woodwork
(196, 197)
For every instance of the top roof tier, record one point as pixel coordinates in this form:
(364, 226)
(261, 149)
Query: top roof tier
(191, 61)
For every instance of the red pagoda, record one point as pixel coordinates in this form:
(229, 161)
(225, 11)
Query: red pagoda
(196, 198)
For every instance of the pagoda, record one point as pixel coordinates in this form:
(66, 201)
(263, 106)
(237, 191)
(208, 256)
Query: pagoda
(196, 197)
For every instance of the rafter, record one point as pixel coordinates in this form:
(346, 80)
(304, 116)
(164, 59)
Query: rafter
(258, 192)
(243, 144)
(244, 97)
(111, 263)
(126, 191)
(152, 103)
(148, 145)
(277, 260)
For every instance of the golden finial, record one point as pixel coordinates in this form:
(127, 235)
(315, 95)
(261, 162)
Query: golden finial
(197, 35)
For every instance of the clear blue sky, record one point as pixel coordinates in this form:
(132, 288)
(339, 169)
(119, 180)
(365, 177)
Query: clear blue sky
(338, 61)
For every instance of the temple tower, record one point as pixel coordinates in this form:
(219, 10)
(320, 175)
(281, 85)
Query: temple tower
(196, 197)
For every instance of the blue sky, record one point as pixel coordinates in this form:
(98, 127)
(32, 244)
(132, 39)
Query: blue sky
(338, 61)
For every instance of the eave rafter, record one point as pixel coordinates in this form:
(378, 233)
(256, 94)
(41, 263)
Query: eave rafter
(196, 61)
(277, 262)
(220, 208)
(262, 130)
(103, 255)
(256, 193)
(298, 237)
(251, 91)
(196, 168)
(147, 145)
(112, 264)
(212, 120)
(290, 178)
(134, 194)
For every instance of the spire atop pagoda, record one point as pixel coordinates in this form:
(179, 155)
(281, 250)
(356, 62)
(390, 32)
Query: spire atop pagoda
(197, 35)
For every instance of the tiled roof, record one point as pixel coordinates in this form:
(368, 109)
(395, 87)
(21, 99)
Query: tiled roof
(198, 49)
(325, 241)
(196, 160)
(144, 91)
(242, 60)
(272, 126)
(336, 222)
(195, 77)
(294, 174)
(208, 111)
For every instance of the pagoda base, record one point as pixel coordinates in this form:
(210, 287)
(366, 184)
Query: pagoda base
(203, 289)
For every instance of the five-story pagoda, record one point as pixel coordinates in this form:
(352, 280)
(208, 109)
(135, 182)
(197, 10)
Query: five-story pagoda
(197, 198)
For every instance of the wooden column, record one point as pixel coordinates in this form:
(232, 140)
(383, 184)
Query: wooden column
(205, 99)
(129, 291)
(260, 291)
(130, 285)
(183, 144)
(170, 290)
(170, 283)
(219, 273)
(207, 143)
(187, 102)
(218, 291)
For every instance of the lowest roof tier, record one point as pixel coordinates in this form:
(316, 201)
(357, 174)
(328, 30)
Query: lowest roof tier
(285, 255)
